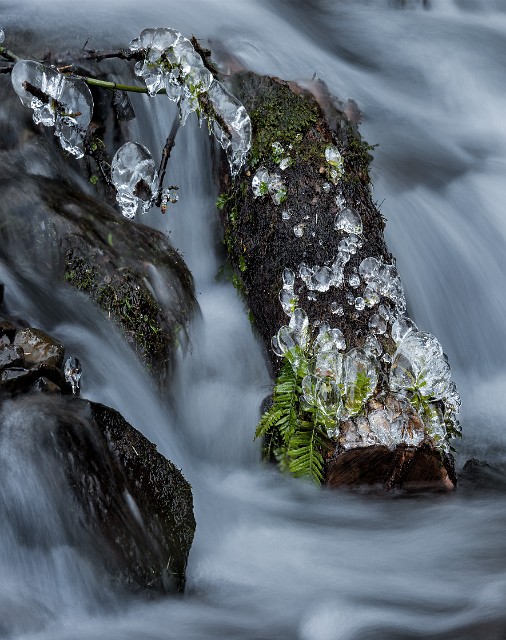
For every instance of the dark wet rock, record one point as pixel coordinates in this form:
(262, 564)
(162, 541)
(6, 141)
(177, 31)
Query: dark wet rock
(11, 356)
(130, 511)
(44, 385)
(56, 224)
(479, 475)
(407, 468)
(2, 289)
(19, 380)
(7, 329)
(39, 347)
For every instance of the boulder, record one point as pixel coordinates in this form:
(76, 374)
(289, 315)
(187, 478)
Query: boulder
(39, 347)
(128, 509)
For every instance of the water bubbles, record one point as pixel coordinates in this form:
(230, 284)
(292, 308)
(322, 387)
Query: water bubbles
(72, 371)
(298, 230)
(56, 101)
(134, 175)
(348, 221)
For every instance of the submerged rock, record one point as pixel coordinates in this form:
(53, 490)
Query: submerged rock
(128, 509)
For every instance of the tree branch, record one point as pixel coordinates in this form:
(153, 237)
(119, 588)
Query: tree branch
(8, 55)
(169, 145)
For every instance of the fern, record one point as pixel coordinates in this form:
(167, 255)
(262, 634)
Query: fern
(294, 436)
(305, 451)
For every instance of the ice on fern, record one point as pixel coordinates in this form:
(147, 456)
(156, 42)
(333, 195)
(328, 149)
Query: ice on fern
(57, 101)
(134, 175)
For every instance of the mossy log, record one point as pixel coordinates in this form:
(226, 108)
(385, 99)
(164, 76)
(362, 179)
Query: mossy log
(294, 225)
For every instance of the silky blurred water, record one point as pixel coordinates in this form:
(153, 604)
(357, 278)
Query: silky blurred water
(273, 557)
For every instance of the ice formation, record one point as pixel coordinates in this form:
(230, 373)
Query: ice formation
(2, 35)
(57, 101)
(72, 371)
(264, 183)
(134, 175)
(170, 62)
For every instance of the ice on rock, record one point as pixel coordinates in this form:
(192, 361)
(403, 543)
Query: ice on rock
(288, 301)
(335, 160)
(134, 175)
(354, 281)
(401, 327)
(56, 100)
(419, 362)
(372, 346)
(260, 182)
(337, 309)
(340, 201)
(348, 221)
(286, 215)
(326, 186)
(232, 125)
(386, 431)
(371, 296)
(2, 35)
(285, 340)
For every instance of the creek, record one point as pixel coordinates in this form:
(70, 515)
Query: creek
(274, 557)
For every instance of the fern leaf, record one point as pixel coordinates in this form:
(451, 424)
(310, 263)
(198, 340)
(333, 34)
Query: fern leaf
(305, 451)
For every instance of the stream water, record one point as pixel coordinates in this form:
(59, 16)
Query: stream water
(274, 557)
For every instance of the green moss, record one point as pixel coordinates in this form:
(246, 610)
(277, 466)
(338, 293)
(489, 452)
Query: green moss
(279, 115)
(357, 158)
(130, 305)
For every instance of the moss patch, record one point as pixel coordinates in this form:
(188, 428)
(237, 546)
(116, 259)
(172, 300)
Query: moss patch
(124, 298)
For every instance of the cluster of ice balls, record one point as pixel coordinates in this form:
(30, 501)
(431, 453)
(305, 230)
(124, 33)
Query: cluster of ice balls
(170, 62)
(56, 100)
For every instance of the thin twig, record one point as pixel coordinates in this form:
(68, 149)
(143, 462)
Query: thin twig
(113, 86)
(169, 145)
(8, 55)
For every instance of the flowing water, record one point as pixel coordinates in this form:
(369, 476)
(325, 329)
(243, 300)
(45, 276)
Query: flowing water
(273, 557)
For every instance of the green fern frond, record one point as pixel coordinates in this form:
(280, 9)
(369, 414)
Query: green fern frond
(305, 451)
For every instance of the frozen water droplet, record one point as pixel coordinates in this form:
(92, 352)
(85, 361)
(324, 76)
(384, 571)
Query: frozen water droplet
(340, 201)
(350, 298)
(377, 324)
(329, 364)
(322, 279)
(309, 389)
(284, 163)
(277, 188)
(338, 338)
(134, 175)
(401, 327)
(56, 100)
(260, 183)
(369, 268)
(354, 281)
(276, 347)
(335, 160)
(288, 300)
(285, 340)
(299, 327)
(2, 35)
(288, 278)
(348, 221)
(334, 307)
(371, 296)
(387, 358)
(286, 215)
(73, 372)
(386, 312)
(311, 296)
(326, 186)
(232, 127)
(359, 379)
(419, 362)
(298, 230)
(359, 304)
(372, 346)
